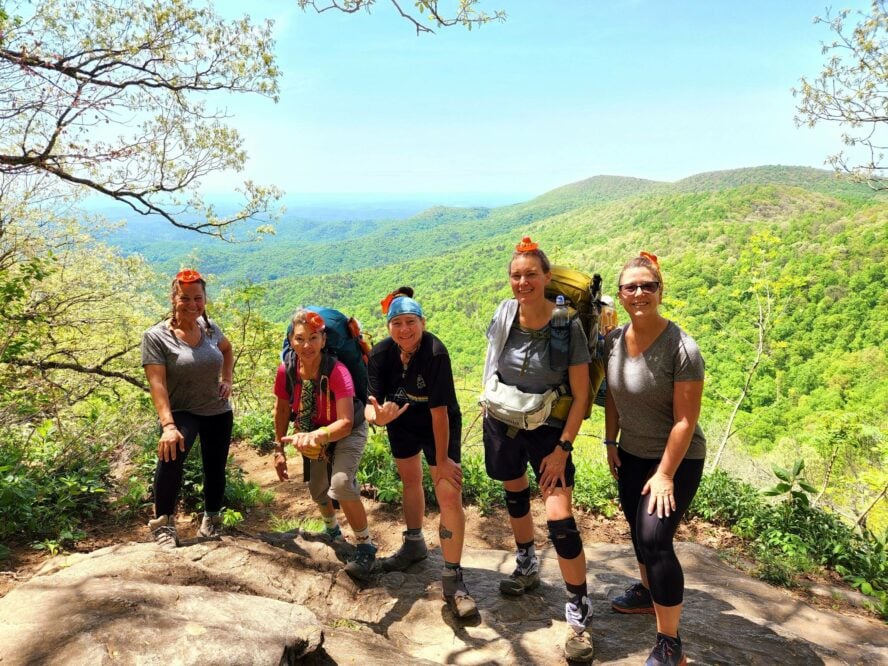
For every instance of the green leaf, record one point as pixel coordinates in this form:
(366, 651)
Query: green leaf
(798, 467)
(781, 473)
(807, 487)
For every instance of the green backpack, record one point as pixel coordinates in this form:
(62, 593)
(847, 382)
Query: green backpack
(582, 294)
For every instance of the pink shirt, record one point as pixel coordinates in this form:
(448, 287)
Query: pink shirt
(341, 386)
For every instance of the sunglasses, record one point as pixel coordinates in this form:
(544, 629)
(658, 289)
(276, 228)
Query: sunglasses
(646, 288)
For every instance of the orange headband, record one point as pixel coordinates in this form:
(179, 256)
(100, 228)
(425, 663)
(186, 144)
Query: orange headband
(650, 257)
(188, 275)
(386, 302)
(526, 245)
(315, 322)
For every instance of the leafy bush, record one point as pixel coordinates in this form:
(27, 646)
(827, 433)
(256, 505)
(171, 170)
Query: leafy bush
(478, 488)
(49, 490)
(594, 487)
(378, 469)
(256, 429)
(724, 500)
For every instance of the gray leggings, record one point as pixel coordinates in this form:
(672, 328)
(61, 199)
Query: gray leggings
(342, 485)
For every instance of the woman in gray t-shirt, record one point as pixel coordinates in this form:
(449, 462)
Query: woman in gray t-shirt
(654, 389)
(519, 354)
(189, 365)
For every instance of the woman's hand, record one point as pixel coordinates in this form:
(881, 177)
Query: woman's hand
(170, 441)
(225, 389)
(552, 471)
(613, 461)
(280, 466)
(449, 471)
(661, 490)
(310, 444)
(385, 413)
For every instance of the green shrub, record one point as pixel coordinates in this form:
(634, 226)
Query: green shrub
(723, 500)
(478, 488)
(378, 469)
(594, 487)
(256, 429)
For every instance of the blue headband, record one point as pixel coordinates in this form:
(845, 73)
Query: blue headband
(404, 305)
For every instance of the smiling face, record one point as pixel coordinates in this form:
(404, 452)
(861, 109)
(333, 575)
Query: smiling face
(189, 301)
(637, 301)
(307, 344)
(528, 279)
(406, 330)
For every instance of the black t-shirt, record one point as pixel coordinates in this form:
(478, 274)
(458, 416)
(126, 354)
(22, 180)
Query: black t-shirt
(426, 382)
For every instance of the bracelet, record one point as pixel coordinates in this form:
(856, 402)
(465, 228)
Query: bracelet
(165, 425)
(326, 430)
(609, 442)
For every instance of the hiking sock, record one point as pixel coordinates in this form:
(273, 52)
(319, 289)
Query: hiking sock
(414, 534)
(526, 554)
(362, 536)
(577, 592)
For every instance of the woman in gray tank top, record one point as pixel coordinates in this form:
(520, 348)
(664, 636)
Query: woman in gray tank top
(654, 389)
(189, 365)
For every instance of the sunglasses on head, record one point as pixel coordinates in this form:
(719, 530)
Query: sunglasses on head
(646, 288)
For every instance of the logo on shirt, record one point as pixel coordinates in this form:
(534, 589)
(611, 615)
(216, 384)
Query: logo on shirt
(420, 382)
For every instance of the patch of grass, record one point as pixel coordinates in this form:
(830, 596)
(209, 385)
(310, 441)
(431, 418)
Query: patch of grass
(279, 524)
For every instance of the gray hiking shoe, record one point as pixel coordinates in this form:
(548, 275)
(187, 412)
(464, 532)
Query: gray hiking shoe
(636, 599)
(163, 529)
(411, 551)
(362, 564)
(525, 577)
(456, 594)
(578, 646)
(210, 526)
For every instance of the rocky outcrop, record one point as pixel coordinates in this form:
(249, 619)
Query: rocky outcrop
(279, 598)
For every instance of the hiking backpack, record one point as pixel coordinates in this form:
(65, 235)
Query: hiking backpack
(345, 343)
(583, 297)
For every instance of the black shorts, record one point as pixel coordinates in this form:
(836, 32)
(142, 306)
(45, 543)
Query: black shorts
(407, 445)
(506, 458)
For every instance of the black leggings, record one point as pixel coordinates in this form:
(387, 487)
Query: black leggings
(652, 536)
(215, 438)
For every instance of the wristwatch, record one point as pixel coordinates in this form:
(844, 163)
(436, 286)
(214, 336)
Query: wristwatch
(565, 445)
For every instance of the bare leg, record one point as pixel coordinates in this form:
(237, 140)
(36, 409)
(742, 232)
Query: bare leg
(410, 471)
(452, 526)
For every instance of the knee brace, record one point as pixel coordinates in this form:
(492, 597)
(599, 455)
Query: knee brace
(565, 537)
(518, 502)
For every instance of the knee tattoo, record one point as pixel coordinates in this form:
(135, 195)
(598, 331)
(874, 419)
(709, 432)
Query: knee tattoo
(565, 537)
(518, 502)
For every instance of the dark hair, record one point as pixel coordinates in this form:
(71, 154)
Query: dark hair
(641, 262)
(404, 291)
(539, 254)
(174, 291)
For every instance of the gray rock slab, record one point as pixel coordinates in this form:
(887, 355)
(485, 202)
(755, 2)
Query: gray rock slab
(396, 618)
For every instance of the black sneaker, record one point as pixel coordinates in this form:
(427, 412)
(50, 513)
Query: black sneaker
(636, 599)
(667, 652)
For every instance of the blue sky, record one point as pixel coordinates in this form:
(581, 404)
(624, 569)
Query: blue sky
(563, 90)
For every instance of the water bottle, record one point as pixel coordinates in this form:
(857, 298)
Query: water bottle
(559, 336)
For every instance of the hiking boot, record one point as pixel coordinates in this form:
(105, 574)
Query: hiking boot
(456, 594)
(210, 526)
(636, 599)
(411, 551)
(362, 563)
(334, 534)
(525, 577)
(667, 652)
(578, 646)
(163, 529)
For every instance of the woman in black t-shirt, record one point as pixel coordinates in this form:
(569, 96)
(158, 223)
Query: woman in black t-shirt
(412, 394)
